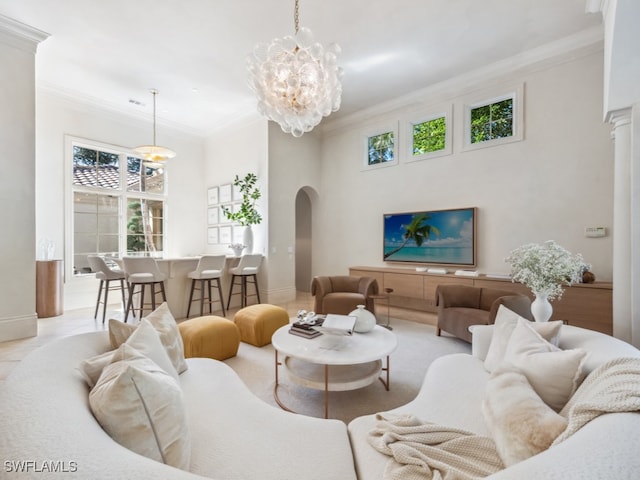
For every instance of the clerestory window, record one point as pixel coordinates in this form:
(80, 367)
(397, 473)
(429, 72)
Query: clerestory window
(494, 121)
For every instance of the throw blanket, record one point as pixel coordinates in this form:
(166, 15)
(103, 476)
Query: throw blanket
(429, 451)
(612, 387)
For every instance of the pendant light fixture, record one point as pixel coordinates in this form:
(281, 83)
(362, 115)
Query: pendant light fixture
(154, 153)
(296, 80)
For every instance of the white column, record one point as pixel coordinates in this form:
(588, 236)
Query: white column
(621, 121)
(18, 45)
(635, 225)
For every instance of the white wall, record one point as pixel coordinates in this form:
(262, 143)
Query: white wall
(551, 185)
(239, 150)
(294, 163)
(186, 210)
(283, 165)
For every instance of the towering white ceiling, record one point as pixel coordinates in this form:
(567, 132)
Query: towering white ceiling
(193, 51)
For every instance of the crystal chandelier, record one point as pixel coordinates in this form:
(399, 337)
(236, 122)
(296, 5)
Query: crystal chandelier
(296, 80)
(154, 153)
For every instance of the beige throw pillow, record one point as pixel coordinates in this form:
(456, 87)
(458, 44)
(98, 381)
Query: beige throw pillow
(163, 321)
(553, 373)
(519, 422)
(142, 408)
(144, 339)
(505, 323)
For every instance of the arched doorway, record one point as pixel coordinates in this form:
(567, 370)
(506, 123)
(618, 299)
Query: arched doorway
(304, 243)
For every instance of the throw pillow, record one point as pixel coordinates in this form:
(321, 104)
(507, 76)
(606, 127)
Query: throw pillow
(163, 321)
(505, 323)
(144, 339)
(519, 422)
(142, 408)
(553, 373)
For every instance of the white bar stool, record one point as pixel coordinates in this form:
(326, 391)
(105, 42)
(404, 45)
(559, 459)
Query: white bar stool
(143, 271)
(210, 267)
(247, 269)
(106, 275)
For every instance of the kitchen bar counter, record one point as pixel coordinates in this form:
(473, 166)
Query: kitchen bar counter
(178, 285)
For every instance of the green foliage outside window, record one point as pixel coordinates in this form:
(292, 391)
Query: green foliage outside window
(88, 157)
(492, 121)
(380, 148)
(429, 136)
(144, 225)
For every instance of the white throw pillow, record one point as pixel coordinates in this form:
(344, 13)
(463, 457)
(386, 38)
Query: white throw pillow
(146, 340)
(553, 373)
(142, 408)
(505, 323)
(519, 422)
(163, 321)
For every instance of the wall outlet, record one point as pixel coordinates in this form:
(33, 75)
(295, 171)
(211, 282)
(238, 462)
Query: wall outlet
(594, 232)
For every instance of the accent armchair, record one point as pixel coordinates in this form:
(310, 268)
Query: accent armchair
(460, 306)
(341, 294)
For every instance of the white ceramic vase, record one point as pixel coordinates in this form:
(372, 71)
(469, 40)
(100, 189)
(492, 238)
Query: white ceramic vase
(365, 320)
(541, 308)
(247, 239)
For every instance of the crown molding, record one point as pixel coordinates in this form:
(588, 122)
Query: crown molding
(566, 49)
(20, 35)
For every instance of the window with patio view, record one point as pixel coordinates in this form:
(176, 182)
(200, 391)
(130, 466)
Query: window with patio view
(118, 205)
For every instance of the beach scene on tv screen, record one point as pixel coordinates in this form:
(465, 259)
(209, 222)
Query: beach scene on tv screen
(439, 237)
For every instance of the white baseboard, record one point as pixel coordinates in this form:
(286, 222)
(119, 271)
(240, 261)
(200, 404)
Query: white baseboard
(280, 295)
(14, 328)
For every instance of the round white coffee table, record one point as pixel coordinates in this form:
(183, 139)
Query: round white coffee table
(333, 362)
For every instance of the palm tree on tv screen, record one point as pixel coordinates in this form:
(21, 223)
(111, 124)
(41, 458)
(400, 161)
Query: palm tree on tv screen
(417, 230)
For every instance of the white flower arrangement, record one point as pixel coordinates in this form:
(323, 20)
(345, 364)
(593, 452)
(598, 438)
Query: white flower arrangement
(546, 268)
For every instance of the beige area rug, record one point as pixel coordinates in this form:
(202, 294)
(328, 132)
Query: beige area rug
(418, 346)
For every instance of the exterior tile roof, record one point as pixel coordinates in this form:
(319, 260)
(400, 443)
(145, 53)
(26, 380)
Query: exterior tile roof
(108, 177)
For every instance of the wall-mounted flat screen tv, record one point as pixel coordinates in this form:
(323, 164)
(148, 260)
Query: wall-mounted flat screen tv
(439, 237)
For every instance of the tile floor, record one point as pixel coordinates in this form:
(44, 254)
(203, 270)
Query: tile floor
(73, 322)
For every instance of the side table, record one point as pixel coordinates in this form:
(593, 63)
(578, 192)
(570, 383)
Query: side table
(49, 294)
(385, 297)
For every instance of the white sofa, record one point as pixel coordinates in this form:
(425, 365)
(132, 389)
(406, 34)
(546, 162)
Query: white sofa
(46, 424)
(452, 395)
(47, 429)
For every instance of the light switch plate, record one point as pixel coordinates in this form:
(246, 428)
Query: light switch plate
(594, 232)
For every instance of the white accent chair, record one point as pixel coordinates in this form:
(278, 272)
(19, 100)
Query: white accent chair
(143, 272)
(247, 271)
(106, 275)
(210, 267)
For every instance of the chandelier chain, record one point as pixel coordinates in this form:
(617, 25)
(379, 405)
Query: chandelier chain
(296, 19)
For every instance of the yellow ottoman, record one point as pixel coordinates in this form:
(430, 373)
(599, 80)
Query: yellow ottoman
(257, 323)
(209, 337)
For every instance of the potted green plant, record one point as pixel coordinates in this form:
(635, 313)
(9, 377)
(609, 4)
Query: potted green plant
(247, 215)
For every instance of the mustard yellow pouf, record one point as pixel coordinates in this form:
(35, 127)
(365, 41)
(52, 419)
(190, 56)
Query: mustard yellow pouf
(209, 337)
(257, 323)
